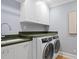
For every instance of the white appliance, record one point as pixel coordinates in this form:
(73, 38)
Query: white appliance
(56, 43)
(47, 47)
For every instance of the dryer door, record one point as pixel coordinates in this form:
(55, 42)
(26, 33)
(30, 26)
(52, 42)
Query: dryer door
(57, 46)
(48, 51)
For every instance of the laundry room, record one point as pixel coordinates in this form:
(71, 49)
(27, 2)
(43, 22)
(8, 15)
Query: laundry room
(38, 29)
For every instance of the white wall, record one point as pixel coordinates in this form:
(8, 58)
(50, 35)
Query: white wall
(59, 22)
(10, 14)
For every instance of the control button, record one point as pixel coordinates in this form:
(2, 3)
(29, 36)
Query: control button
(50, 39)
(44, 40)
(55, 37)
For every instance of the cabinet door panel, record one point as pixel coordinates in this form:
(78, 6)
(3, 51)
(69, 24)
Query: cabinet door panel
(22, 51)
(42, 12)
(7, 52)
(27, 10)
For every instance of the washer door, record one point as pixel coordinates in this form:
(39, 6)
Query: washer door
(48, 51)
(57, 46)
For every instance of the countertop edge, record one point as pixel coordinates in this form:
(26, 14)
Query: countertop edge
(12, 42)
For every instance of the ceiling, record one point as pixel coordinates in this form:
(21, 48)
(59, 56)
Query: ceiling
(54, 3)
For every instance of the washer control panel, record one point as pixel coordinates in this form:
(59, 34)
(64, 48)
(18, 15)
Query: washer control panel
(44, 40)
(55, 37)
(47, 39)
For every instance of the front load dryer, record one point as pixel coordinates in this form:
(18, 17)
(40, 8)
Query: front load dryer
(56, 43)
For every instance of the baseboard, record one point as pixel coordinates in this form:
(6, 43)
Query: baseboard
(68, 55)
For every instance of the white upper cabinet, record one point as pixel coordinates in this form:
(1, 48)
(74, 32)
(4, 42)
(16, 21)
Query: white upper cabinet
(42, 12)
(34, 11)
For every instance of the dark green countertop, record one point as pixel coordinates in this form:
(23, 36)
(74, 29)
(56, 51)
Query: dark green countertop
(37, 34)
(23, 37)
(14, 39)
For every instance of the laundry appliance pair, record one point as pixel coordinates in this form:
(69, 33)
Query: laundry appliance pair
(45, 45)
(48, 47)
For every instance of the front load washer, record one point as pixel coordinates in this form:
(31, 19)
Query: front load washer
(45, 48)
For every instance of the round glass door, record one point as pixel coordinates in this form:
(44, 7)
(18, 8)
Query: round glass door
(48, 51)
(57, 46)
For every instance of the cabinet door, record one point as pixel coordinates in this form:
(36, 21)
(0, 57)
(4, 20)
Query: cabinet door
(7, 52)
(22, 51)
(42, 12)
(27, 11)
